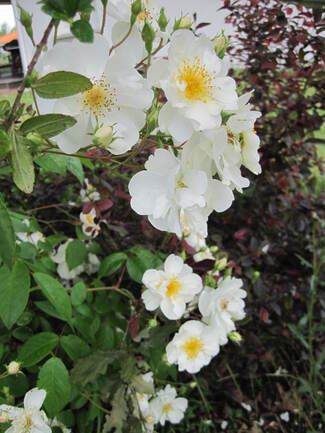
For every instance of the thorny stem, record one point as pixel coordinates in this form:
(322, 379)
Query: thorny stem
(104, 18)
(122, 40)
(8, 121)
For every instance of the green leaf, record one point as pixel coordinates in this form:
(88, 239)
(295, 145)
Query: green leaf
(22, 164)
(82, 30)
(4, 143)
(7, 236)
(111, 264)
(141, 260)
(118, 416)
(26, 20)
(74, 347)
(52, 163)
(48, 125)
(54, 378)
(88, 369)
(56, 294)
(74, 165)
(4, 108)
(76, 253)
(78, 293)
(37, 348)
(61, 84)
(14, 292)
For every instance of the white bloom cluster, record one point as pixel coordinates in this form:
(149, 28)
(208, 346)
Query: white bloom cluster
(159, 407)
(196, 342)
(90, 267)
(213, 133)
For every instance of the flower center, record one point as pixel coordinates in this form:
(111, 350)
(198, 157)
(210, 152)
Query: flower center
(28, 424)
(224, 304)
(195, 81)
(173, 288)
(167, 407)
(89, 219)
(193, 346)
(99, 99)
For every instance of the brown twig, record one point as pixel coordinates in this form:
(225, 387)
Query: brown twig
(8, 121)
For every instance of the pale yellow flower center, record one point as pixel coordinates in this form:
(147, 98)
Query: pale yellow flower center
(253, 131)
(28, 424)
(193, 346)
(224, 304)
(89, 219)
(167, 407)
(173, 288)
(197, 81)
(99, 99)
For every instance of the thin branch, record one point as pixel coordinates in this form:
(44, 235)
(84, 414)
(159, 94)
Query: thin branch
(8, 121)
(104, 18)
(122, 40)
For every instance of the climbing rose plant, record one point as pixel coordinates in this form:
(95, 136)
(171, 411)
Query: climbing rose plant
(97, 334)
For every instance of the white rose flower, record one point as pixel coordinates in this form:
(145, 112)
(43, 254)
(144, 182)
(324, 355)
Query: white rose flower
(30, 419)
(89, 193)
(222, 306)
(93, 264)
(62, 269)
(89, 226)
(196, 86)
(118, 98)
(172, 288)
(174, 195)
(32, 238)
(143, 399)
(168, 407)
(193, 346)
(164, 188)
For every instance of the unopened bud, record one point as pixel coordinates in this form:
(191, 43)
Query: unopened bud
(35, 138)
(153, 323)
(235, 337)
(13, 368)
(104, 136)
(221, 43)
(4, 418)
(221, 264)
(183, 23)
(255, 276)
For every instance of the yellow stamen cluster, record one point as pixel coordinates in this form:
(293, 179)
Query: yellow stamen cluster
(193, 346)
(167, 407)
(89, 219)
(100, 98)
(28, 424)
(196, 80)
(173, 288)
(145, 14)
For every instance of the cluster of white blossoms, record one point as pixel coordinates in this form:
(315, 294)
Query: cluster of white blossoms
(209, 127)
(161, 406)
(213, 135)
(197, 341)
(66, 274)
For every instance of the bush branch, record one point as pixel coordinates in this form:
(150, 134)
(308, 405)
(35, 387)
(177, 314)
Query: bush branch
(39, 48)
